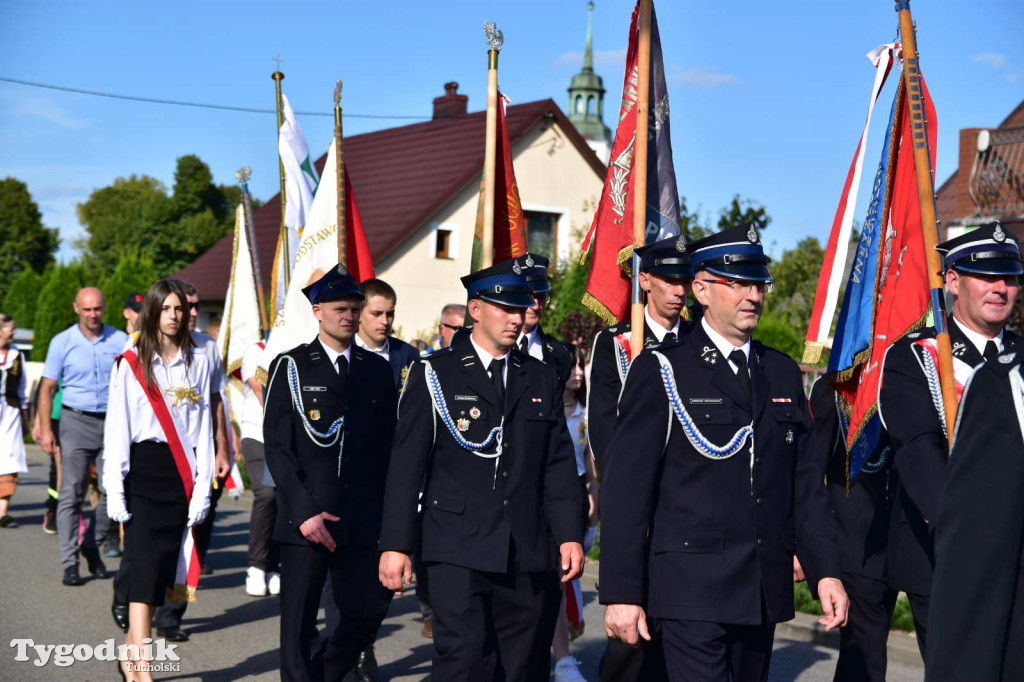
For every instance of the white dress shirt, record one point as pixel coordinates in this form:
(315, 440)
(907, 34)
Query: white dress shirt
(656, 328)
(333, 355)
(724, 345)
(486, 358)
(979, 340)
(252, 410)
(534, 345)
(131, 419)
(384, 351)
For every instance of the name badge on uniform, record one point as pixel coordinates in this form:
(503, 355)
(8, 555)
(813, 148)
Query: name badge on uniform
(467, 398)
(316, 389)
(314, 415)
(705, 401)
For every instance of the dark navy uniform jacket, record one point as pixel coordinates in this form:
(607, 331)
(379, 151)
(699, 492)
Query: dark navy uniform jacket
(309, 478)
(401, 356)
(555, 355)
(920, 452)
(862, 515)
(473, 509)
(976, 619)
(717, 541)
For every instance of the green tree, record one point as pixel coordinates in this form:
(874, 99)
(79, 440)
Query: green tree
(133, 273)
(55, 308)
(20, 301)
(692, 224)
(787, 309)
(742, 211)
(24, 243)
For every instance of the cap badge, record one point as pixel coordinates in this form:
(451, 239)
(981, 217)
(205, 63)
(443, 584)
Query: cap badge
(998, 234)
(681, 244)
(342, 270)
(752, 235)
(474, 412)
(529, 261)
(516, 268)
(462, 424)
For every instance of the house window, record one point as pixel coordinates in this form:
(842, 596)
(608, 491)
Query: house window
(542, 233)
(442, 243)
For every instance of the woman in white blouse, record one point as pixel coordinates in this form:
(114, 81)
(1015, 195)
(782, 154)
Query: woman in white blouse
(158, 445)
(12, 418)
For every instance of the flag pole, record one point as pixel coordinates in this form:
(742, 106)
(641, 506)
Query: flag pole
(243, 175)
(636, 338)
(926, 197)
(339, 155)
(283, 233)
(495, 39)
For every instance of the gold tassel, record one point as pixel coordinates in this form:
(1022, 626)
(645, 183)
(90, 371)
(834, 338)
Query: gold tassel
(812, 352)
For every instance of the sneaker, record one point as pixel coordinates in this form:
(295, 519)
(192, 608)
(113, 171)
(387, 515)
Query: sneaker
(50, 522)
(567, 670)
(256, 582)
(274, 583)
(112, 550)
(7, 521)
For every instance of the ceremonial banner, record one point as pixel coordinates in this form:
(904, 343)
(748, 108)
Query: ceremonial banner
(509, 223)
(317, 253)
(891, 251)
(300, 186)
(240, 327)
(611, 234)
(829, 282)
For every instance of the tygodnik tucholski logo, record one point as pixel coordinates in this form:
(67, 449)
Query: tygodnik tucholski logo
(154, 656)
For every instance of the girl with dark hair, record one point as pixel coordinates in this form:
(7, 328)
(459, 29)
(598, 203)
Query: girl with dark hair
(570, 617)
(12, 418)
(158, 443)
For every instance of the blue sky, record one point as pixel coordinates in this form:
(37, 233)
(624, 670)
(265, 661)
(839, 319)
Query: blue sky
(767, 99)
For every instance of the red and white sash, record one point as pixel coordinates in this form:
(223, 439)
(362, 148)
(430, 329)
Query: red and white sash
(186, 576)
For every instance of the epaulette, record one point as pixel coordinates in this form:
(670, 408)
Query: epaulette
(619, 328)
(1005, 362)
(922, 333)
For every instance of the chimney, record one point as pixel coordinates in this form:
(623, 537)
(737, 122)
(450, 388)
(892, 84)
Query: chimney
(451, 104)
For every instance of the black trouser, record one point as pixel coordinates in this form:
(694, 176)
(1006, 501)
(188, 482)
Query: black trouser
(492, 626)
(422, 584)
(919, 607)
(715, 652)
(359, 603)
(623, 663)
(263, 551)
(863, 641)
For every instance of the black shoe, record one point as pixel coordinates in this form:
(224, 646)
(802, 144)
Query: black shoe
(71, 576)
(7, 521)
(120, 614)
(96, 566)
(50, 522)
(366, 667)
(172, 634)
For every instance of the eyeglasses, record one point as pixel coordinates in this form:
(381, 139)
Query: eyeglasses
(453, 327)
(742, 287)
(193, 306)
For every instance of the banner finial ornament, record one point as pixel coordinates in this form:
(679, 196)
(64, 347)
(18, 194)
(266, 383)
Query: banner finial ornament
(495, 38)
(243, 174)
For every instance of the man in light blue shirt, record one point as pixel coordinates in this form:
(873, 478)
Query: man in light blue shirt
(80, 358)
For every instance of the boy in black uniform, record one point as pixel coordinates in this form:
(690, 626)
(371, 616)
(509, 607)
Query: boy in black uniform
(982, 274)
(710, 486)
(328, 421)
(532, 339)
(483, 425)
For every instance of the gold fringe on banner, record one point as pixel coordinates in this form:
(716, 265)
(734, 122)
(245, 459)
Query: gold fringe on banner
(812, 352)
(600, 309)
(180, 593)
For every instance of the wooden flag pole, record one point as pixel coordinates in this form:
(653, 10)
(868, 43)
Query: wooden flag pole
(636, 337)
(926, 196)
(243, 175)
(495, 39)
(283, 234)
(339, 155)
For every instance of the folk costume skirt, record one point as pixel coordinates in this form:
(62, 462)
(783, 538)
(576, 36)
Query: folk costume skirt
(156, 500)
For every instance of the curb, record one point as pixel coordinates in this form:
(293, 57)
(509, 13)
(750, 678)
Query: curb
(901, 648)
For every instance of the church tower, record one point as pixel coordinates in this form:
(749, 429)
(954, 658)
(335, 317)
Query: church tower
(586, 99)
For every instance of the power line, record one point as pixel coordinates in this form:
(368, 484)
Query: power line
(225, 107)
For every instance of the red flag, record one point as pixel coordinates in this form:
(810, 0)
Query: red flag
(357, 251)
(509, 223)
(902, 289)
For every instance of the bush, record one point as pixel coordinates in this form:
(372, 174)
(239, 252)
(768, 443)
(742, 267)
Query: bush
(55, 307)
(902, 618)
(21, 298)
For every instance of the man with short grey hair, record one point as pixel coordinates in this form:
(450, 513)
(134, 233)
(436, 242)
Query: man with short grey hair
(80, 359)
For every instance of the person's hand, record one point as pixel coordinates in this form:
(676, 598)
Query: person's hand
(198, 508)
(314, 530)
(222, 464)
(572, 560)
(626, 622)
(47, 441)
(117, 508)
(395, 571)
(834, 603)
(798, 571)
(37, 433)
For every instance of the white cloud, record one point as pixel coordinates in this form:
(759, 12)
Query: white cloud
(43, 109)
(602, 58)
(700, 76)
(996, 61)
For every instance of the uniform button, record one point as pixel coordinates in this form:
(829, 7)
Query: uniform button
(707, 416)
(757, 461)
(505, 502)
(759, 501)
(504, 474)
(686, 545)
(434, 502)
(760, 542)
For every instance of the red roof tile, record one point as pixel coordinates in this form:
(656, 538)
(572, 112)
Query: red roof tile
(400, 176)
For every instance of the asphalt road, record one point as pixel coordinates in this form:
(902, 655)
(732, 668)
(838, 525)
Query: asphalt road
(234, 636)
